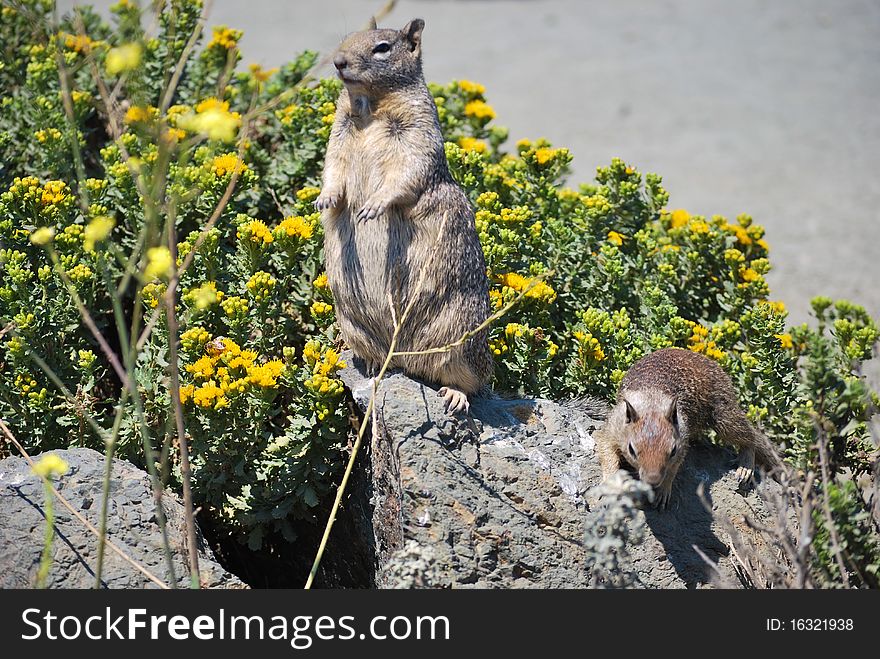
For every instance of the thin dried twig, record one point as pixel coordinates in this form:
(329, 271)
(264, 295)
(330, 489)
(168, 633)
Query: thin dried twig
(479, 328)
(215, 216)
(836, 549)
(73, 511)
(173, 366)
(805, 540)
(168, 96)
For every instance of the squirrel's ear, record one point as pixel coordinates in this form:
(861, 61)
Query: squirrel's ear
(412, 32)
(672, 414)
(631, 415)
(372, 24)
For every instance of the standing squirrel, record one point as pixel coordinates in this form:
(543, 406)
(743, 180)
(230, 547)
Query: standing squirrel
(667, 399)
(394, 216)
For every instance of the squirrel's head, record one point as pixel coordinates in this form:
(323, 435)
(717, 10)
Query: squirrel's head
(375, 61)
(650, 433)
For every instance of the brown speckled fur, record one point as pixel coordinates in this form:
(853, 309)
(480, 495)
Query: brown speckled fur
(386, 190)
(674, 396)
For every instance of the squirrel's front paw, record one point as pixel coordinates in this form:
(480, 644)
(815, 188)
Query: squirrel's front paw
(328, 199)
(371, 210)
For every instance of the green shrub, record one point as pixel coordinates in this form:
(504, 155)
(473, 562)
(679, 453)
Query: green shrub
(92, 194)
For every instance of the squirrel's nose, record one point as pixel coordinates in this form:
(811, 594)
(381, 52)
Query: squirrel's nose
(340, 61)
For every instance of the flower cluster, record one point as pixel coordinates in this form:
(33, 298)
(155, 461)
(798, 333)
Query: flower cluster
(323, 364)
(225, 373)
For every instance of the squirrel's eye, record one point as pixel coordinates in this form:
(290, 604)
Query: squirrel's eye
(673, 451)
(381, 47)
(632, 449)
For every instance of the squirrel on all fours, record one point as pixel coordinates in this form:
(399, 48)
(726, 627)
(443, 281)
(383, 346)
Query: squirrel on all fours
(668, 399)
(398, 229)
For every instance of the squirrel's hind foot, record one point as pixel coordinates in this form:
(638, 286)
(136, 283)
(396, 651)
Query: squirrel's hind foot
(456, 401)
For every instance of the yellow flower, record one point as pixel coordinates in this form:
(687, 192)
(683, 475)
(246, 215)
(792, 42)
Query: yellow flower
(209, 395)
(498, 348)
(137, 114)
(320, 308)
(312, 352)
(202, 368)
(308, 193)
(260, 285)
(186, 393)
(472, 144)
(479, 109)
(589, 347)
(213, 119)
(85, 359)
(331, 363)
(749, 274)
(123, 58)
(80, 273)
(255, 232)
(545, 155)
(194, 338)
(321, 282)
(53, 193)
(266, 375)
(785, 341)
(47, 135)
(152, 292)
(226, 164)
(698, 227)
(742, 235)
(615, 238)
(204, 296)
(42, 236)
(158, 263)
(173, 135)
(515, 215)
(679, 218)
(533, 288)
(96, 231)
(78, 42)
(469, 87)
(295, 227)
(235, 307)
(777, 306)
(261, 74)
(225, 37)
(733, 257)
(49, 465)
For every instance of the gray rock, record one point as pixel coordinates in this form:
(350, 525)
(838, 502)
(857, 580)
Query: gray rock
(500, 500)
(131, 525)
